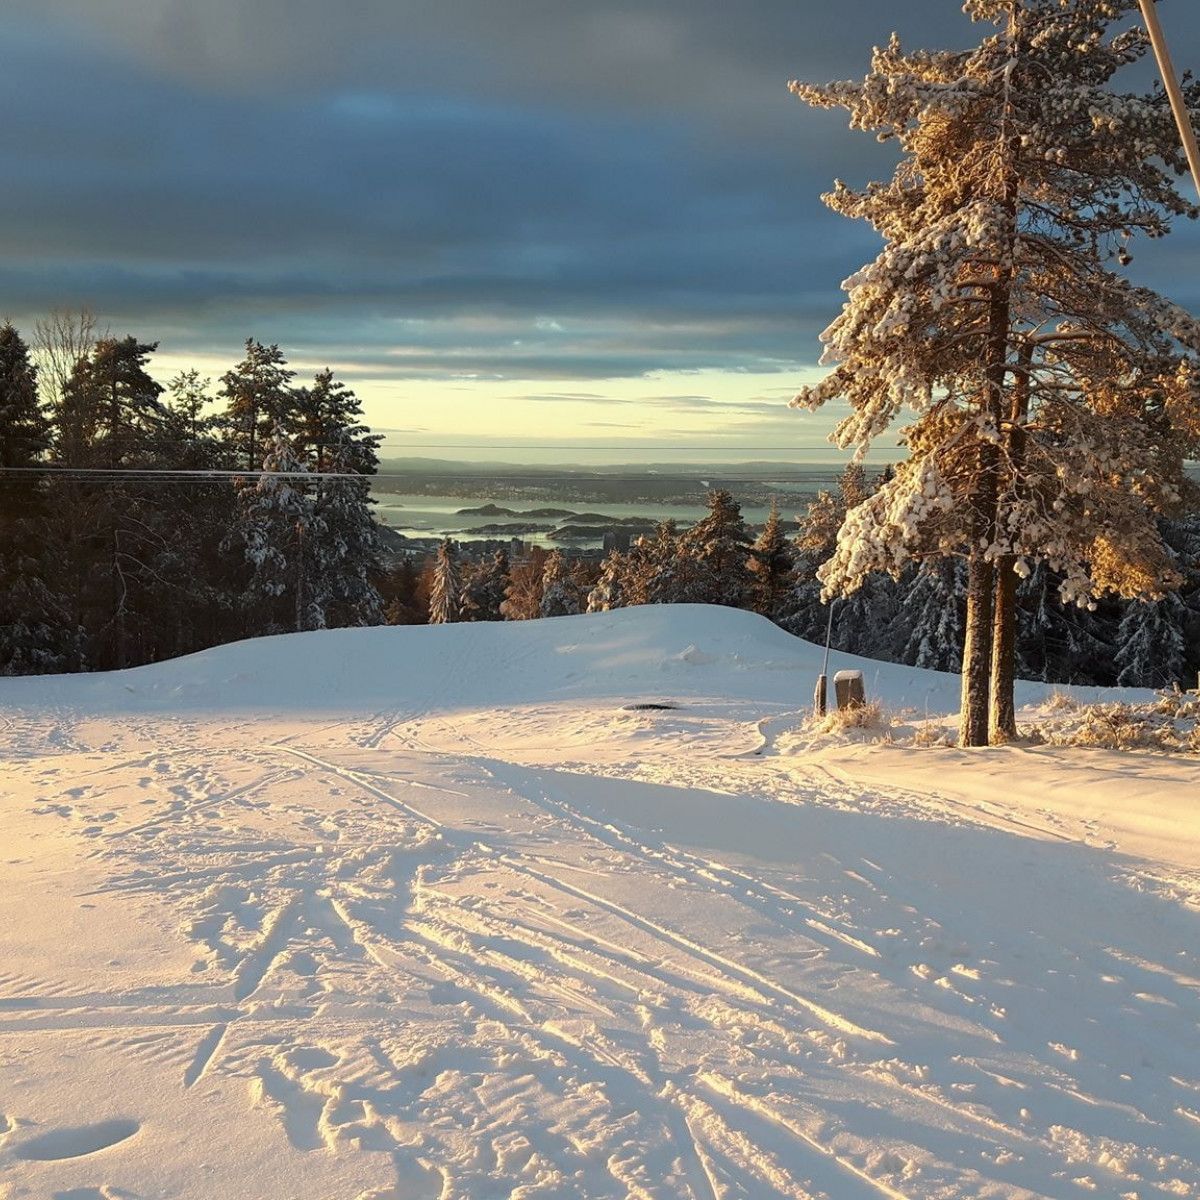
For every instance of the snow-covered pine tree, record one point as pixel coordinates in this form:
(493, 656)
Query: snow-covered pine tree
(258, 396)
(195, 583)
(658, 569)
(484, 589)
(560, 594)
(719, 545)
(771, 564)
(1053, 402)
(1060, 642)
(608, 592)
(445, 597)
(928, 627)
(342, 453)
(803, 610)
(1151, 651)
(523, 595)
(276, 527)
(1182, 535)
(346, 547)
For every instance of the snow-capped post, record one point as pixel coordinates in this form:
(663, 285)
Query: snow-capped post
(849, 688)
(1170, 80)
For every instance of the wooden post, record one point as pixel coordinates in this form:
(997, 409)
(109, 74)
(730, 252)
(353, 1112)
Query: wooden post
(1171, 82)
(850, 690)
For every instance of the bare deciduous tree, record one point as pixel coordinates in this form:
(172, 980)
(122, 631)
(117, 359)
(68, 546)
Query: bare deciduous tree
(60, 341)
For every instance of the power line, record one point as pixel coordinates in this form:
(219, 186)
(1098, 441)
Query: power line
(179, 478)
(587, 448)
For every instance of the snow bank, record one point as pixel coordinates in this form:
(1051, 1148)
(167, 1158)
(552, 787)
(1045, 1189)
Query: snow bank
(684, 650)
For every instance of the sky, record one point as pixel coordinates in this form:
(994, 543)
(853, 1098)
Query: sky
(592, 227)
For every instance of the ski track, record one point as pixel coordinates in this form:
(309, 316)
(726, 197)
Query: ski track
(500, 979)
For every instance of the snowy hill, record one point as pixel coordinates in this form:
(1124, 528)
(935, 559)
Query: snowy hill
(432, 912)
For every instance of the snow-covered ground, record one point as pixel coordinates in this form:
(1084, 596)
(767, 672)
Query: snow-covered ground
(400, 913)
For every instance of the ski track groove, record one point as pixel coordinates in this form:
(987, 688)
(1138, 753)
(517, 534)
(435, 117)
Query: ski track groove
(688, 866)
(831, 1019)
(249, 974)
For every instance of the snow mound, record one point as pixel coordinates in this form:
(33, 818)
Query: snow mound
(684, 650)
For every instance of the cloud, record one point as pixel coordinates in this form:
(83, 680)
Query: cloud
(458, 189)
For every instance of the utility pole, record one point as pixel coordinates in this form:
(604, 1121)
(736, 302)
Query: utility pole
(1179, 107)
(820, 700)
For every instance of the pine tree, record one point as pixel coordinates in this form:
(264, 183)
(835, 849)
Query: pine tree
(403, 605)
(33, 633)
(24, 425)
(113, 531)
(276, 527)
(560, 593)
(1151, 651)
(928, 630)
(803, 609)
(190, 430)
(345, 547)
(1053, 402)
(484, 589)
(332, 440)
(720, 545)
(1060, 642)
(608, 592)
(445, 599)
(329, 427)
(771, 564)
(258, 396)
(111, 413)
(523, 595)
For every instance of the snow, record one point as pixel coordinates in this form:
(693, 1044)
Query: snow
(429, 912)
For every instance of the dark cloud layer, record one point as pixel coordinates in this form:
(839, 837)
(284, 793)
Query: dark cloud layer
(526, 189)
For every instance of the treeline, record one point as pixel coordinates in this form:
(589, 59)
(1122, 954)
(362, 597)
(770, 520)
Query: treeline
(916, 619)
(106, 562)
(117, 548)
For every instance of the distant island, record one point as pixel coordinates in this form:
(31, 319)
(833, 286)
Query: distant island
(507, 529)
(494, 510)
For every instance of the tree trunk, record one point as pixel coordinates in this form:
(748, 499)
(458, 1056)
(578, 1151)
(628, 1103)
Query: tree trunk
(981, 573)
(977, 655)
(1002, 715)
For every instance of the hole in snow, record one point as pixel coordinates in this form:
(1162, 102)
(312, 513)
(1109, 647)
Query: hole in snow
(664, 706)
(75, 1143)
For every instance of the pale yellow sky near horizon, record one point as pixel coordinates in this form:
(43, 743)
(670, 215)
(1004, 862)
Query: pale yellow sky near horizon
(710, 415)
